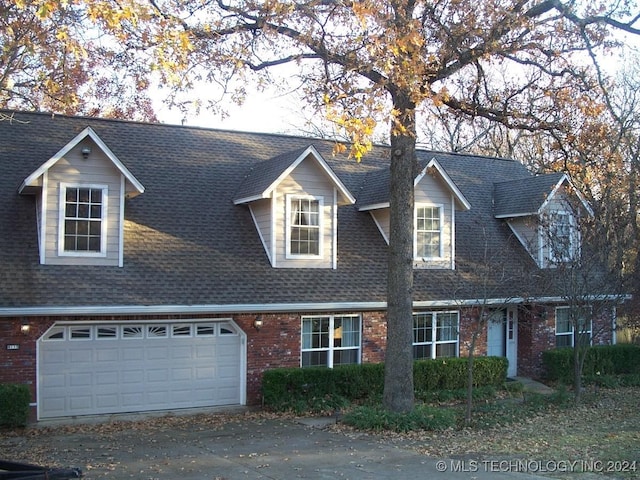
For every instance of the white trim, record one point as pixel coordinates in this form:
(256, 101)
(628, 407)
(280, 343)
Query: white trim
(42, 240)
(121, 226)
(375, 206)
(236, 308)
(464, 203)
(331, 349)
(274, 232)
(262, 240)
(289, 197)
(87, 132)
(382, 232)
(334, 230)
(525, 243)
(433, 342)
(453, 233)
(103, 220)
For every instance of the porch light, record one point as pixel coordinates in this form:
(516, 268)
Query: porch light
(25, 328)
(257, 323)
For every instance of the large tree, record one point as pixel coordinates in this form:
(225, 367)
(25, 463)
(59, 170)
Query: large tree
(369, 61)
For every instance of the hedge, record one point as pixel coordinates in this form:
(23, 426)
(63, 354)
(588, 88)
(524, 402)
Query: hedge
(14, 405)
(319, 388)
(622, 359)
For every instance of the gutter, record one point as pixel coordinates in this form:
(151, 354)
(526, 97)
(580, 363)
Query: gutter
(85, 310)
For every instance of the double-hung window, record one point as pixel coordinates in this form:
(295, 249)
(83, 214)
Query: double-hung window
(304, 226)
(331, 340)
(435, 334)
(428, 231)
(82, 220)
(563, 237)
(565, 331)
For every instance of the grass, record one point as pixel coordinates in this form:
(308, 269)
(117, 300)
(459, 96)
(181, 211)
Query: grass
(603, 431)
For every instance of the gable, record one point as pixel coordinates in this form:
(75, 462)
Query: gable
(83, 146)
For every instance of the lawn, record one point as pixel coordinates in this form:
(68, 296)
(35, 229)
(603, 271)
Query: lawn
(602, 435)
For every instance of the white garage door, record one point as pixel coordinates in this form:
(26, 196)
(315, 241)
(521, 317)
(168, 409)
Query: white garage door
(89, 369)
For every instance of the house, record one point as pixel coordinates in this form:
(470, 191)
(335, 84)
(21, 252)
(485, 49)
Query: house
(156, 267)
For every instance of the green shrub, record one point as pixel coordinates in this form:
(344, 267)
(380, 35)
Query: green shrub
(14, 405)
(599, 360)
(321, 389)
(422, 417)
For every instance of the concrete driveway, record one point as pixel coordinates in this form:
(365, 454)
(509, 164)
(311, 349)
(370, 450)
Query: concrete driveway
(230, 447)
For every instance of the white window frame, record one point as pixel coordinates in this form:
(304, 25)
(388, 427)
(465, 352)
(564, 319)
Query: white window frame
(433, 342)
(290, 198)
(62, 218)
(330, 349)
(571, 333)
(440, 208)
(548, 235)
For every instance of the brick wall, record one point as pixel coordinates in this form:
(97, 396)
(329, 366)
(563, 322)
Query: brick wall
(277, 343)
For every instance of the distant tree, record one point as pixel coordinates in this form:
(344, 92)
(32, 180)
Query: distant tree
(371, 60)
(51, 61)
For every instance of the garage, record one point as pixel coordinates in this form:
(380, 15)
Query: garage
(105, 368)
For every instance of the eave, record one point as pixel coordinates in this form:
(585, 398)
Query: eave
(27, 186)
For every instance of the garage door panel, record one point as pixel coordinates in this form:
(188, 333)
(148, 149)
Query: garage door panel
(131, 353)
(81, 355)
(113, 368)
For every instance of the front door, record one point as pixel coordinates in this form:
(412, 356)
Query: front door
(502, 337)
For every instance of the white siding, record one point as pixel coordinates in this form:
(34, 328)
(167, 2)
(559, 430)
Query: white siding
(74, 169)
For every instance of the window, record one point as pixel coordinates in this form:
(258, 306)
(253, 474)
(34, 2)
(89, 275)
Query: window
(564, 329)
(563, 237)
(428, 232)
(330, 340)
(435, 335)
(304, 226)
(82, 222)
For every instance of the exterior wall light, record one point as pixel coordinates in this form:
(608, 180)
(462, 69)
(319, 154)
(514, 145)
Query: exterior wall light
(25, 328)
(86, 151)
(257, 323)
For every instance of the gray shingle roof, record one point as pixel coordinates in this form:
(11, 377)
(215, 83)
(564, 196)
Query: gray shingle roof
(524, 196)
(186, 243)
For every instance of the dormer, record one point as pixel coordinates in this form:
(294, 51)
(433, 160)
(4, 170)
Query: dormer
(80, 194)
(293, 199)
(544, 213)
(437, 198)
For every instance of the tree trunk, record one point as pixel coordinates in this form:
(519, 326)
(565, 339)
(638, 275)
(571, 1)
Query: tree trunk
(398, 382)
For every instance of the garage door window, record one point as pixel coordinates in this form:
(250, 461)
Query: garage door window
(132, 332)
(107, 332)
(181, 330)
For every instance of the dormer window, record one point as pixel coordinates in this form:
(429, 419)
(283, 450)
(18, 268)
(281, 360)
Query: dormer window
(305, 226)
(80, 196)
(82, 222)
(293, 199)
(428, 232)
(563, 237)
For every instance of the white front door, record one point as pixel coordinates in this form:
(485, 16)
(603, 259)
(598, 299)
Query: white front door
(502, 337)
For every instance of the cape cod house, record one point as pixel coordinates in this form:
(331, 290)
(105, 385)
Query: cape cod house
(156, 267)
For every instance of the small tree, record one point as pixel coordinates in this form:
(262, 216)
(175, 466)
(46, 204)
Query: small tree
(490, 271)
(579, 267)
